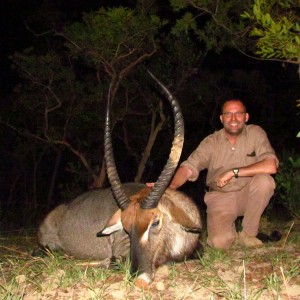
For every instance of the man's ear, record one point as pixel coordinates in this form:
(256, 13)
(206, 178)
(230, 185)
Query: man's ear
(247, 117)
(114, 224)
(221, 118)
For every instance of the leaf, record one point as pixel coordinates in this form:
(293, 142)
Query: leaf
(184, 24)
(257, 32)
(178, 4)
(245, 15)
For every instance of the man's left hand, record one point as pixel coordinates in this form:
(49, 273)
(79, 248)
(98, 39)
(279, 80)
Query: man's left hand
(224, 178)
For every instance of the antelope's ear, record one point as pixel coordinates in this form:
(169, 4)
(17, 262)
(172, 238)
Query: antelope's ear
(185, 222)
(114, 224)
(177, 215)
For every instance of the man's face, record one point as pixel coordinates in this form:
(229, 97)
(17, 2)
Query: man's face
(234, 117)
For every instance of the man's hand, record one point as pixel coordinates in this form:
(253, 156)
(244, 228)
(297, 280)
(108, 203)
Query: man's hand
(150, 184)
(224, 178)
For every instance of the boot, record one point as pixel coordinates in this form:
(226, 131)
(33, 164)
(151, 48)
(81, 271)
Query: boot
(248, 241)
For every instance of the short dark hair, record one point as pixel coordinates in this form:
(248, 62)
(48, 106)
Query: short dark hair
(233, 100)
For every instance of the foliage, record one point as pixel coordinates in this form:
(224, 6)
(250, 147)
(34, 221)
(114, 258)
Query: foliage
(216, 24)
(113, 39)
(275, 25)
(288, 184)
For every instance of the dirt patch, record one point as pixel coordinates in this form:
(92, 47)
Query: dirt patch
(270, 272)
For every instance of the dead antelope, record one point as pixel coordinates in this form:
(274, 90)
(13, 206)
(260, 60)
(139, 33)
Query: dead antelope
(163, 224)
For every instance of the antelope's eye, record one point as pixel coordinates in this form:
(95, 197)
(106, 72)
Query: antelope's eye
(155, 224)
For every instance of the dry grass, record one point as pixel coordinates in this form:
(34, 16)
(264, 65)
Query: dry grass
(271, 272)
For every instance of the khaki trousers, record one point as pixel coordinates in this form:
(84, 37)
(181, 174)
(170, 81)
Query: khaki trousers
(224, 208)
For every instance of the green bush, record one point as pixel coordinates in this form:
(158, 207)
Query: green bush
(287, 192)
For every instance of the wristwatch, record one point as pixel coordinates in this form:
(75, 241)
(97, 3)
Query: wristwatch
(236, 172)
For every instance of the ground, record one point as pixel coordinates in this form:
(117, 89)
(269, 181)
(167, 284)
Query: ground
(270, 272)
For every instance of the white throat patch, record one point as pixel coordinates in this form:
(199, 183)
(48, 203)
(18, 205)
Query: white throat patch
(178, 243)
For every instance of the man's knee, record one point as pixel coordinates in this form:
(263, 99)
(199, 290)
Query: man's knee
(264, 182)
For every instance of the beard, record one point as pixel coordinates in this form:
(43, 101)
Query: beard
(234, 132)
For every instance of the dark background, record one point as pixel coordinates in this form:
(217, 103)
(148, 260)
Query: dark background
(270, 98)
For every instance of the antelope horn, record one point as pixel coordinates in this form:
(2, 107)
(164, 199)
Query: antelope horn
(121, 198)
(152, 200)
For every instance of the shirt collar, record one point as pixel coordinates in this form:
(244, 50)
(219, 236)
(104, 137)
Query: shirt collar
(243, 133)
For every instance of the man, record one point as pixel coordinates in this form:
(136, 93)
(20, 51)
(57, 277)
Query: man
(239, 160)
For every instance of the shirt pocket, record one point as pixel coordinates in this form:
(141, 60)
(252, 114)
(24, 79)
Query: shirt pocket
(251, 157)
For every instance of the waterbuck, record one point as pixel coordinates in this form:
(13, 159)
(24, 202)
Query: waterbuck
(161, 224)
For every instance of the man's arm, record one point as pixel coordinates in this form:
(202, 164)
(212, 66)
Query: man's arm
(180, 177)
(266, 166)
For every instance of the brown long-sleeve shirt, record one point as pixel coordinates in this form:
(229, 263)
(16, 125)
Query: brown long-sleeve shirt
(216, 154)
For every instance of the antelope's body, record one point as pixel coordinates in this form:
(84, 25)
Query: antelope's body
(72, 227)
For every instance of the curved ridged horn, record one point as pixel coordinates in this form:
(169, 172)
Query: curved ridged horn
(152, 200)
(121, 198)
